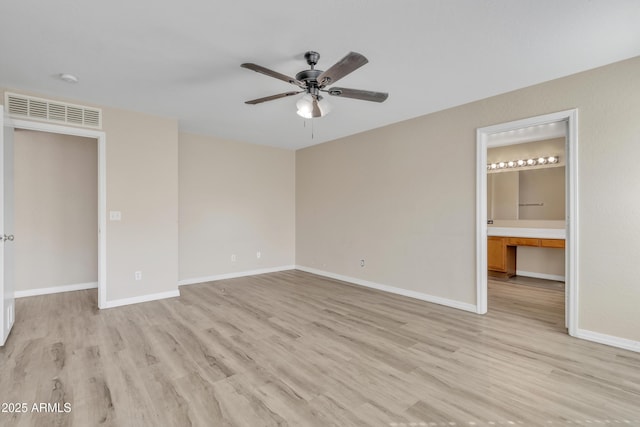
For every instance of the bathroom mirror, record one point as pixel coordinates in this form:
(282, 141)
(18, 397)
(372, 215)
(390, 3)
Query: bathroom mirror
(536, 194)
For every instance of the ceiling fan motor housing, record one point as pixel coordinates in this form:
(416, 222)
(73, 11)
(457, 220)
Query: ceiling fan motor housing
(310, 78)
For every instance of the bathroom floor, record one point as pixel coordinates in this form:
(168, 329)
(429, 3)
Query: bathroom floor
(532, 281)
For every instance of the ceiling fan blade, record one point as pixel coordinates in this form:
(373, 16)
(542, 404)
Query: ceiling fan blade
(272, 97)
(346, 65)
(365, 95)
(267, 72)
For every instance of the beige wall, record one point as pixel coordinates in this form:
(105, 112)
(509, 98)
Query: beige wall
(235, 198)
(403, 196)
(142, 183)
(547, 261)
(56, 210)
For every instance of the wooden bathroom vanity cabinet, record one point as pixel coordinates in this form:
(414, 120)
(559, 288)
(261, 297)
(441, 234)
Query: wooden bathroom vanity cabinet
(502, 252)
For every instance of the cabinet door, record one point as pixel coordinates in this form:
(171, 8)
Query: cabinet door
(496, 254)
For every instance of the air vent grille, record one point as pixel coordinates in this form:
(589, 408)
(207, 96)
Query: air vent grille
(74, 115)
(92, 117)
(57, 112)
(21, 106)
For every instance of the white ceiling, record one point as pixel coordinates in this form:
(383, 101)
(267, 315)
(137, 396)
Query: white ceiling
(182, 59)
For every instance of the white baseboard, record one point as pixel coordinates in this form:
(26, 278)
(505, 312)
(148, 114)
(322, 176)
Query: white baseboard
(391, 289)
(608, 340)
(141, 298)
(55, 289)
(555, 277)
(234, 275)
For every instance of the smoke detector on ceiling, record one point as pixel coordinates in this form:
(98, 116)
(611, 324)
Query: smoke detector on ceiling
(69, 78)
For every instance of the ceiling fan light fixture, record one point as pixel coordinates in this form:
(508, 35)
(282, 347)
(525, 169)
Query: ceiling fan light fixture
(305, 106)
(311, 107)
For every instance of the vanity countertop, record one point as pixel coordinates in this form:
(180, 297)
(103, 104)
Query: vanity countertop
(540, 233)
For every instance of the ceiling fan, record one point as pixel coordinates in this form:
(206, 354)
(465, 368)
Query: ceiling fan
(313, 81)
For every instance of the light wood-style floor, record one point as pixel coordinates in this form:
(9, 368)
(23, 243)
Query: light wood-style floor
(296, 349)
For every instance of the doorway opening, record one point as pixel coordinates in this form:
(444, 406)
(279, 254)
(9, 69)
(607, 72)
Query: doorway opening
(563, 229)
(100, 137)
(56, 212)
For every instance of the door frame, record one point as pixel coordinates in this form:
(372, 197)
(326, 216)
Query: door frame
(102, 189)
(571, 250)
(7, 289)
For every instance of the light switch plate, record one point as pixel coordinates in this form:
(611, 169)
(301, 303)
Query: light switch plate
(115, 215)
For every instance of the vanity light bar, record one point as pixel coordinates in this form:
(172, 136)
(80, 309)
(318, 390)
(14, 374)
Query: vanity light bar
(523, 163)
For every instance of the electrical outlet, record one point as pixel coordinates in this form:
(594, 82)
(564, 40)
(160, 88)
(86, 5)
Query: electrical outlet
(258, 255)
(361, 263)
(138, 275)
(233, 258)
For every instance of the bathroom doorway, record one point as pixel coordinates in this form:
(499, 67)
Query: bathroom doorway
(563, 231)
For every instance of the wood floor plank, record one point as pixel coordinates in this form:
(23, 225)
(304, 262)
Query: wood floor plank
(295, 349)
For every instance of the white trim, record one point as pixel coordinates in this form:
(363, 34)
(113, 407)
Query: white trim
(7, 297)
(50, 127)
(545, 276)
(482, 138)
(196, 280)
(572, 291)
(142, 298)
(608, 340)
(392, 289)
(540, 233)
(101, 136)
(571, 250)
(56, 289)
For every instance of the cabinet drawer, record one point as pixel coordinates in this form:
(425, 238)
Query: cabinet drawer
(552, 243)
(523, 241)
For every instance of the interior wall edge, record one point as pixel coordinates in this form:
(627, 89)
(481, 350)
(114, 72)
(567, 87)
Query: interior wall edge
(141, 298)
(234, 275)
(609, 340)
(56, 289)
(392, 289)
(537, 275)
